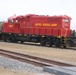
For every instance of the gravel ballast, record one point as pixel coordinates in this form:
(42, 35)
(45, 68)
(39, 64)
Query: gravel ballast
(17, 65)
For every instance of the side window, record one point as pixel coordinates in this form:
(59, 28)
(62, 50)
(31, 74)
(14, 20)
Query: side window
(11, 21)
(65, 20)
(16, 21)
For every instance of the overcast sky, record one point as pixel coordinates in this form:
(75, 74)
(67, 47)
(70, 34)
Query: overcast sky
(40, 7)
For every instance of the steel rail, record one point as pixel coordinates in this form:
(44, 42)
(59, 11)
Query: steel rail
(70, 48)
(32, 59)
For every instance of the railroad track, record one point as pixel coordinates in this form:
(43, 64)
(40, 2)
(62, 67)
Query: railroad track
(37, 61)
(70, 48)
(34, 44)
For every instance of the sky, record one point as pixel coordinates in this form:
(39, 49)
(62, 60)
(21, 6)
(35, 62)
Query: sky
(39, 7)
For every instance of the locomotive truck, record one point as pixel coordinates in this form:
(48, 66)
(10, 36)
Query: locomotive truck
(46, 30)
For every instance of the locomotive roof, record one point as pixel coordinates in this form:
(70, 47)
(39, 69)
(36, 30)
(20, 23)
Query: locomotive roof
(33, 15)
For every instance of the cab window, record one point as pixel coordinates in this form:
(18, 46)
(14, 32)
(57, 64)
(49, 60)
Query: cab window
(11, 21)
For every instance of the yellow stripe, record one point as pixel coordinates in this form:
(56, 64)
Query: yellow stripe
(43, 36)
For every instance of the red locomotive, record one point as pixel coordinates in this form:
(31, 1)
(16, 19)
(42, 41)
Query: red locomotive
(46, 30)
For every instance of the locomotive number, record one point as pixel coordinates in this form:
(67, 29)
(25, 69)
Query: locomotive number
(10, 25)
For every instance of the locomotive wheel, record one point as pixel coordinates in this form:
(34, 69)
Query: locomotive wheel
(69, 44)
(5, 39)
(43, 43)
(57, 44)
(12, 40)
(51, 43)
(21, 41)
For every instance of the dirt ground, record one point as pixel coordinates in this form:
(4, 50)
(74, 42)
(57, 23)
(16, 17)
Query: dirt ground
(52, 53)
(5, 71)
